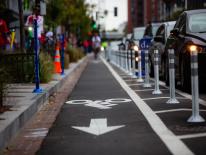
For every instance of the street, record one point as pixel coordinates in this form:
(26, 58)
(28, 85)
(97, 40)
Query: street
(102, 117)
(102, 77)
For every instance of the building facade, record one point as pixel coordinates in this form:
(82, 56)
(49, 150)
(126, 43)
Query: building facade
(110, 15)
(140, 12)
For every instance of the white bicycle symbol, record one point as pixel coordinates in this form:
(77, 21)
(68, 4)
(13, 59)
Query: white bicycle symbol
(100, 104)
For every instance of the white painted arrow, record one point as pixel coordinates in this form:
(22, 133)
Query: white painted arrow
(98, 127)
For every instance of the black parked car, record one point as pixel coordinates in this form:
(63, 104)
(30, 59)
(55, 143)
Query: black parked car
(190, 29)
(159, 41)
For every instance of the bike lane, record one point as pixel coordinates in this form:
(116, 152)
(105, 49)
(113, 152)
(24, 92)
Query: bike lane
(101, 118)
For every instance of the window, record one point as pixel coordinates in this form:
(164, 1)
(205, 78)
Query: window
(115, 11)
(197, 23)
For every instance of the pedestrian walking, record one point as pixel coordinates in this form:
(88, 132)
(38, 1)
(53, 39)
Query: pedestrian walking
(96, 44)
(4, 35)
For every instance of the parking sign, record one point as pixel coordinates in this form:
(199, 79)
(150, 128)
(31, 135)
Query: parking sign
(144, 43)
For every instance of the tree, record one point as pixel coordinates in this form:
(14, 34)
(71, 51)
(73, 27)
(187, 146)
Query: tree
(70, 13)
(21, 21)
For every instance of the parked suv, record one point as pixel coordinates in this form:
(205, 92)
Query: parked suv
(190, 29)
(159, 41)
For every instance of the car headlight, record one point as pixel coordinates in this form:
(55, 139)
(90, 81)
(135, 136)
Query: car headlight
(135, 48)
(195, 48)
(30, 28)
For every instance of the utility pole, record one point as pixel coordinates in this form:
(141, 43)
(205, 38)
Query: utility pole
(21, 21)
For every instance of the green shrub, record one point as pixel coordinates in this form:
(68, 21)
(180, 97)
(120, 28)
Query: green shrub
(66, 60)
(80, 53)
(4, 80)
(74, 53)
(46, 69)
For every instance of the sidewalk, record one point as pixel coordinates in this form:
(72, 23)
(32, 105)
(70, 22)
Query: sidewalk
(25, 103)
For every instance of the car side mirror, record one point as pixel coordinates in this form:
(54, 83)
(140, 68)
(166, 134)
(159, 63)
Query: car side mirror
(159, 39)
(175, 32)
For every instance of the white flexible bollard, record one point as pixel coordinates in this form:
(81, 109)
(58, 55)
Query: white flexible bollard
(195, 118)
(125, 61)
(139, 67)
(133, 64)
(127, 55)
(130, 63)
(147, 83)
(171, 56)
(156, 73)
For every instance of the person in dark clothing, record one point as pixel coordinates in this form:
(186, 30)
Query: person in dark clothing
(148, 30)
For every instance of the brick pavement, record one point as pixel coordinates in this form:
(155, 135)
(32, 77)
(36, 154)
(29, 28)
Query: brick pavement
(29, 139)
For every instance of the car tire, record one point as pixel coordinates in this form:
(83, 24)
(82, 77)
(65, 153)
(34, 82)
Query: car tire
(162, 70)
(166, 73)
(151, 68)
(185, 78)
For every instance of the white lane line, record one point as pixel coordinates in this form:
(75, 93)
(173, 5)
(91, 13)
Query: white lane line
(134, 79)
(124, 75)
(173, 143)
(156, 98)
(139, 90)
(135, 84)
(174, 110)
(129, 78)
(192, 136)
(201, 101)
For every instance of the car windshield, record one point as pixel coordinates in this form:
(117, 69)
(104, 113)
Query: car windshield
(169, 28)
(197, 23)
(138, 34)
(154, 29)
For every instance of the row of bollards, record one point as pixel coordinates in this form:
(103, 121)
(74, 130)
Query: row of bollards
(127, 64)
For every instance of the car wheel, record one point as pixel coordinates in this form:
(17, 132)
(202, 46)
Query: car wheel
(185, 79)
(162, 70)
(166, 73)
(151, 69)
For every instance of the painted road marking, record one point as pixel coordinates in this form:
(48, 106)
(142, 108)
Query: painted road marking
(98, 127)
(35, 133)
(174, 110)
(135, 84)
(156, 98)
(192, 136)
(173, 143)
(130, 80)
(202, 102)
(140, 90)
(100, 104)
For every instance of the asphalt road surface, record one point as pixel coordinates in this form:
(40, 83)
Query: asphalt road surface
(110, 113)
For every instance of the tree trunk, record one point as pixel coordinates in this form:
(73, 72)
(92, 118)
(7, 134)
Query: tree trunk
(21, 21)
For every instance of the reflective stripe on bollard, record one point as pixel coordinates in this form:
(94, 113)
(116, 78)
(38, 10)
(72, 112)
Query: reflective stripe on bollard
(147, 84)
(127, 54)
(156, 73)
(139, 67)
(195, 118)
(133, 64)
(171, 56)
(130, 63)
(125, 61)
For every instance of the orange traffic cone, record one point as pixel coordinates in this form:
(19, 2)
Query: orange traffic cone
(57, 63)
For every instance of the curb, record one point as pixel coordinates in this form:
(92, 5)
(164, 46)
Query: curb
(15, 121)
